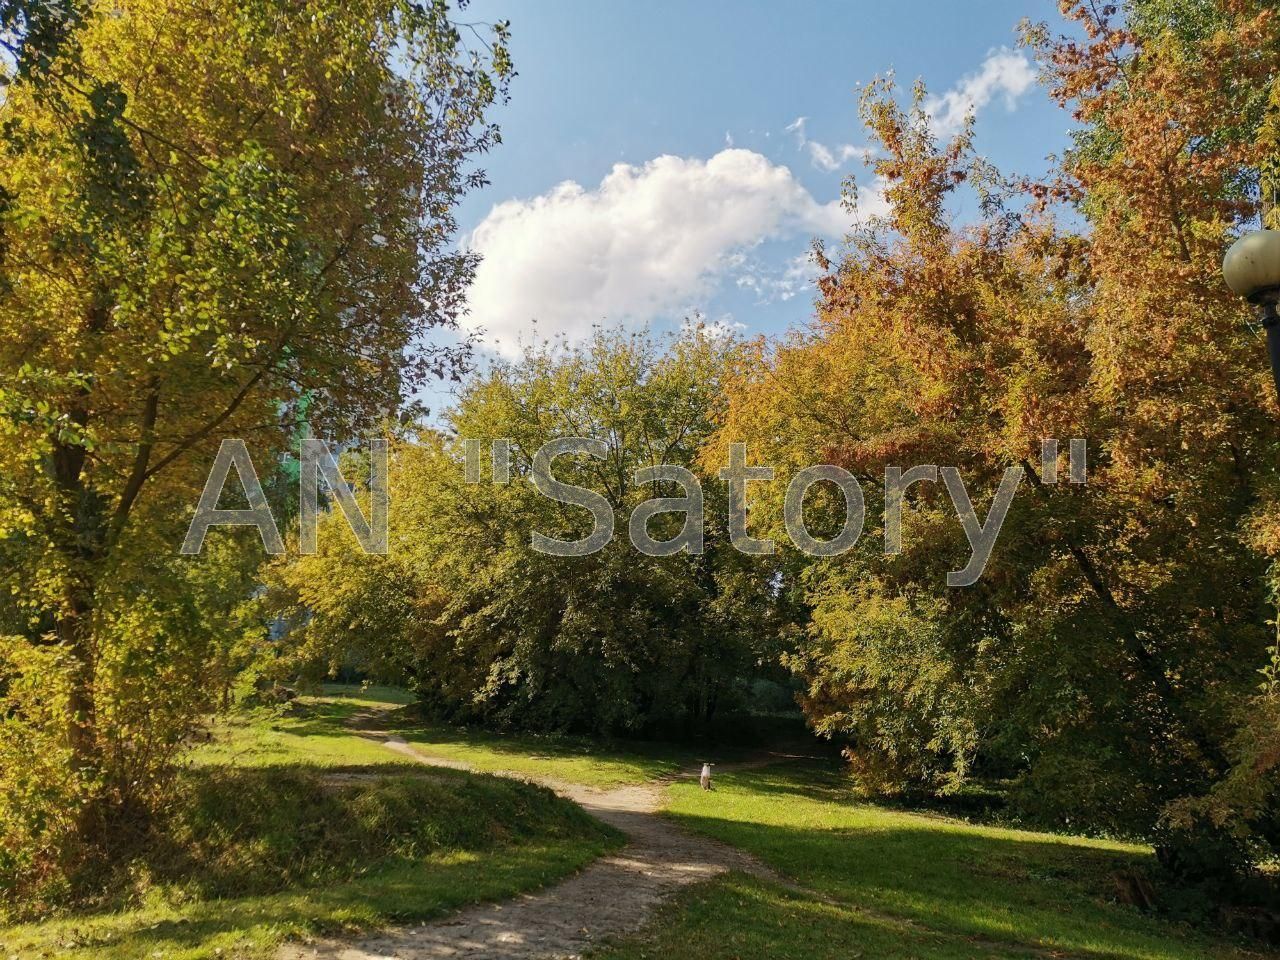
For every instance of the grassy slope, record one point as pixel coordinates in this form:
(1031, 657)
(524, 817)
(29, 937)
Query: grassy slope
(315, 732)
(882, 883)
(462, 848)
(253, 926)
(878, 883)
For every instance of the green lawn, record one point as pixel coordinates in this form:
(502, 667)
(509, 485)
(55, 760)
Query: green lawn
(295, 825)
(311, 731)
(882, 883)
(405, 843)
(319, 733)
(557, 757)
(250, 928)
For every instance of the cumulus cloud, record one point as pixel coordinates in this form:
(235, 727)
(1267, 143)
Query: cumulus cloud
(824, 157)
(643, 244)
(1005, 73)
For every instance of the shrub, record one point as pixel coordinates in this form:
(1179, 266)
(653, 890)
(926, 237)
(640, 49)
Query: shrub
(40, 792)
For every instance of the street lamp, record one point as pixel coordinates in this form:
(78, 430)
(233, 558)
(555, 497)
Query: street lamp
(1252, 270)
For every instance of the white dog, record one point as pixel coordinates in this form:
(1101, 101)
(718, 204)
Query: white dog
(705, 779)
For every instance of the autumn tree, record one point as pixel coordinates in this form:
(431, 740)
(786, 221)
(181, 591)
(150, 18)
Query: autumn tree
(1177, 156)
(209, 210)
(931, 346)
(1100, 662)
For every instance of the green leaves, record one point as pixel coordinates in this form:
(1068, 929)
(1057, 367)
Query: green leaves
(487, 627)
(210, 212)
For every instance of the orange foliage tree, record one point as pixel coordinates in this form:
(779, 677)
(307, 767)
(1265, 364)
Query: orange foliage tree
(1101, 661)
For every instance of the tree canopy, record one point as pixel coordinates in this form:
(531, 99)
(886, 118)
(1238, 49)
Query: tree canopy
(235, 219)
(488, 627)
(209, 212)
(1103, 662)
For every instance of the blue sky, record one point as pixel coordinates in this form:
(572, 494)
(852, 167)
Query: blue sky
(720, 191)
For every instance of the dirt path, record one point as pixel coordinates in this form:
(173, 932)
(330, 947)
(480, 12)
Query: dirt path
(613, 896)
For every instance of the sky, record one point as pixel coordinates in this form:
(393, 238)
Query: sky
(665, 159)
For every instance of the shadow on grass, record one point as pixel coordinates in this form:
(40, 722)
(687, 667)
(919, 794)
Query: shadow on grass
(260, 830)
(741, 918)
(397, 891)
(333, 717)
(252, 855)
(952, 881)
(631, 760)
(344, 711)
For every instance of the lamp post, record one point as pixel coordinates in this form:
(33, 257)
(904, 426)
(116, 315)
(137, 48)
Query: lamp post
(1252, 270)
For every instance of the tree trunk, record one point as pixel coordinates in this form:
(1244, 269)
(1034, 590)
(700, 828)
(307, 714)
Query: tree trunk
(80, 528)
(75, 632)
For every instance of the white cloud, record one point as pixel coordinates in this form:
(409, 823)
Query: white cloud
(824, 157)
(772, 285)
(870, 200)
(1003, 74)
(646, 242)
(833, 158)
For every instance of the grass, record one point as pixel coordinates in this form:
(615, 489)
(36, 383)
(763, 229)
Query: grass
(312, 732)
(293, 825)
(320, 734)
(555, 757)
(251, 928)
(303, 826)
(890, 884)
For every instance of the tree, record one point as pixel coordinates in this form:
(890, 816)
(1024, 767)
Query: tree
(211, 209)
(1179, 155)
(487, 627)
(930, 346)
(1100, 660)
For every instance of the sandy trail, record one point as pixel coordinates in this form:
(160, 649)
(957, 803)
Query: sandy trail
(613, 896)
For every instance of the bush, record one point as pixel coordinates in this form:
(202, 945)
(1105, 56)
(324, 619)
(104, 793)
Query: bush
(1219, 840)
(41, 795)
(165, 634)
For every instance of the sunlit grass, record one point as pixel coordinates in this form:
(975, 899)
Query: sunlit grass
(541, 840)
(250, 928)
(317, 731)
(563, 758)
(873, 882)
(887, 883)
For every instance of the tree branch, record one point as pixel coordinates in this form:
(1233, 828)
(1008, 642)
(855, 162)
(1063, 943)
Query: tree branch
(138, 475)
